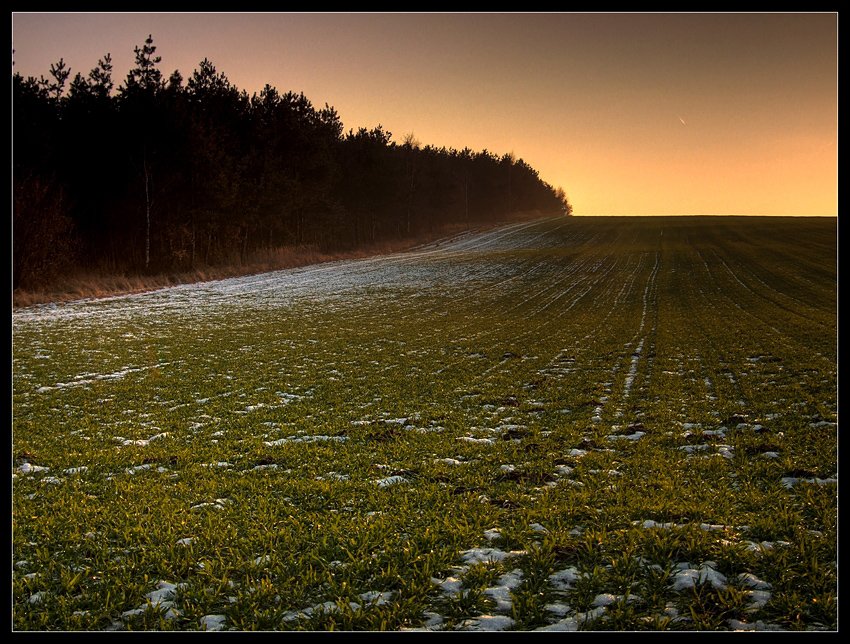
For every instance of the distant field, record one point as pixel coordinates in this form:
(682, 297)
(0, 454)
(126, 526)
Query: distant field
(571, 424)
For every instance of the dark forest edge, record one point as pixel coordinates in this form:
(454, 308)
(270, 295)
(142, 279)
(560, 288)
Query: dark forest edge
(161, 181)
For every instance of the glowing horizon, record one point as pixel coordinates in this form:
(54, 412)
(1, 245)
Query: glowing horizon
(631, 114)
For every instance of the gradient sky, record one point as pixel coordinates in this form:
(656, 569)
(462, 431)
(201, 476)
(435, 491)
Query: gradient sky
(630, 113)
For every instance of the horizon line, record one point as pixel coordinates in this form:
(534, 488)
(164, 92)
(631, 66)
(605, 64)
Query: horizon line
(702, 214)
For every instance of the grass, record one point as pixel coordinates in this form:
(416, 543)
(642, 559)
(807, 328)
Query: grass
(622, 404)
(79, 283)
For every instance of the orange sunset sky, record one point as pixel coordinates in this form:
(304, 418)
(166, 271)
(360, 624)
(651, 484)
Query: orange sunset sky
(647, 113)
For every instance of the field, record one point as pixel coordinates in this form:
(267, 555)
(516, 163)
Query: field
(568, 424)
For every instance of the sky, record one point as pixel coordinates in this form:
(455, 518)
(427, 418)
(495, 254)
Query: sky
(629, 113)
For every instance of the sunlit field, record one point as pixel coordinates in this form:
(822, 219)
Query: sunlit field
(570, 424)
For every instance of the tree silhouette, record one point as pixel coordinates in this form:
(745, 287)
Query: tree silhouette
(170, 175)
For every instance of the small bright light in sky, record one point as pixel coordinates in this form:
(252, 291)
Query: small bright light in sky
(582, 98)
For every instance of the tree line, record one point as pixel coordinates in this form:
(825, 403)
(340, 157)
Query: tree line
(168, 174)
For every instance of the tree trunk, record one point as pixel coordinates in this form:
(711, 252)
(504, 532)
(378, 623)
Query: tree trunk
(466, 202)
(147, 212)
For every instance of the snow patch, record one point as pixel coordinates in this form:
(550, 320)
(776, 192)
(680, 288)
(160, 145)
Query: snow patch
(212, 622)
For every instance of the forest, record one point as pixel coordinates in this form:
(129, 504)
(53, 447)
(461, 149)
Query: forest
(168, 174)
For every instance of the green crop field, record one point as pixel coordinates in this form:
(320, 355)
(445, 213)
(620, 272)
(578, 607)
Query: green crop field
(569, 424)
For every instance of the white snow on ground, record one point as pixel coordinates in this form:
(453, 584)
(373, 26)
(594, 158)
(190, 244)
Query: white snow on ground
(484, 555)
(38, 597)
(604, 599)
(390, 480)
(487, 623)
(29, 468)
(318, 283)
(632, 437)
(737, 625)
(573, 623)
(433, 622)
(368, 599)
(82, 380)
(138, 468)
(564, 579)
(162, 599)
(377, 598)
(501, 592)
(218, 504)
(823, 423)
(688, 577)
(471, 439)
(449, 586)
(758, 598)
(630, 377)
(791, 481)
(764, 545)
(558, 609)
(749, 579)
(305, 439)
(649, 523)
(212, 622)
(267, 466)
(140, 442)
